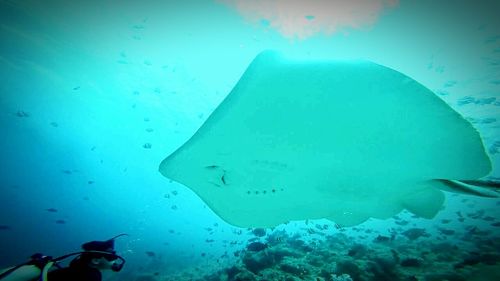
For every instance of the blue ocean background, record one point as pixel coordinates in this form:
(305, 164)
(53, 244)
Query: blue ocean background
(95, 94)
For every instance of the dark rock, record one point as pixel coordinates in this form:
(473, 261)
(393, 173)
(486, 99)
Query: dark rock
(357, 251)
(296, 243)
(444, 276)
(294, 267)
(471, 259)
(475, 258)
(349, 267)
(383, 269)
(279, 253)
(256, 246)
(245, 276)
(259, 232)
(395, 256)
(232, 272)
(257, 262)
(315, 260)
(490, 258)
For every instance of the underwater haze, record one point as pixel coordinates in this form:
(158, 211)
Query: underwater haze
(107, 108)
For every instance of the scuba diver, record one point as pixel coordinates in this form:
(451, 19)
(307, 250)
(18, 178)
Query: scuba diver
(86, 266)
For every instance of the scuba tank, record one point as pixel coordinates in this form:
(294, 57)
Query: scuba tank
(38, 266)
(23, 273)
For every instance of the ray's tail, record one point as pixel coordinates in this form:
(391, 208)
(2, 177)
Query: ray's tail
(484, 188)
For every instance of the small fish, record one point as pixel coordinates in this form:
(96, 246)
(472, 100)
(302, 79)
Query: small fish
(54, 124)
(76, 88)
(381, 238)
(319, 226)
(67, 172)
(476, 231)
(4, 227)
(401, 222)
(150, 254)
(147, 145)
(311, 231)
(21, 114)
(52, 210)
(209, 240)
(60, 221)
(174, 207)
(175, 192)
(488, 218)
(446, 231)
(415, 233)
(90, 182)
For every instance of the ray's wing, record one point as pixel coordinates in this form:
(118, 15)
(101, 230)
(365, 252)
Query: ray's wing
(326, 139)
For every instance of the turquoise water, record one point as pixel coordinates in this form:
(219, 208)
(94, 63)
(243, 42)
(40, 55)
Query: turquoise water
(95, 95)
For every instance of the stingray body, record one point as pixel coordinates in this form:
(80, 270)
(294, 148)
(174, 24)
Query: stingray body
(339, 140)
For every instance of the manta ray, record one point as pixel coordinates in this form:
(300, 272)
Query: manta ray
(341, 140)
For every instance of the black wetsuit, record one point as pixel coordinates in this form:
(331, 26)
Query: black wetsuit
(78, 270)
